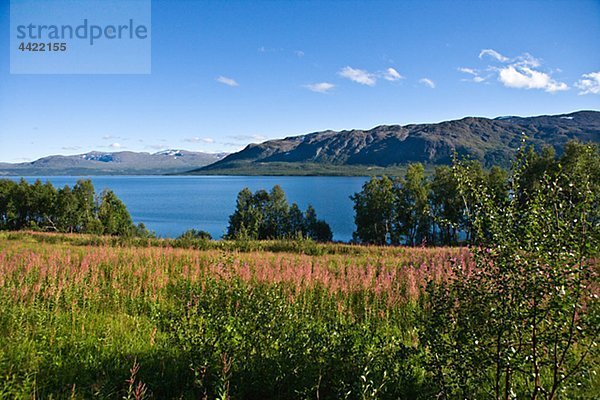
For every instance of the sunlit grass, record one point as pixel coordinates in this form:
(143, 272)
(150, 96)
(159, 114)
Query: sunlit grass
(75, 317)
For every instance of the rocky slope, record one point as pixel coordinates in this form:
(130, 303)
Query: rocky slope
(493, 141)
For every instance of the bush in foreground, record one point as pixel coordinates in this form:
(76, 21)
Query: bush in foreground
(525, 322)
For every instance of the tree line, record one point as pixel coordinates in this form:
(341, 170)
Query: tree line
(268, 215)
(416, 209)
(77, 209)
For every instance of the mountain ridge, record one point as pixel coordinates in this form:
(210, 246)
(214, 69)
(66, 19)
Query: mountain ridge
(382, 149)
(114, 163)
(492, 140)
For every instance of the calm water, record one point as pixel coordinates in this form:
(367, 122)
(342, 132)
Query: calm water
(169, 205)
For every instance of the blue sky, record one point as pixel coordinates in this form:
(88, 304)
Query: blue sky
(228, 73)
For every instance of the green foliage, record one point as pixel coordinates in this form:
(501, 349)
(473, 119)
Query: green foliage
(267, 216)
(314, 228)
(446, 207)
(66, 211)
(392, 211)
(412, 207)
(193, 238)
(85, 205)
(245, 221)
(299, 245)
(41, 207)
(195, 234)
(374, 211)
(525, 321)
(417, 209)
(276, 215)
(113, 215)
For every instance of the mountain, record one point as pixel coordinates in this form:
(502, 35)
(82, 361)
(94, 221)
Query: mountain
(118, 163)
(383, 149)
(493, 141)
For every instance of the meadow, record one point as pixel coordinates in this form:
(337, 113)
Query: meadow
(84, 320)
(84, 316)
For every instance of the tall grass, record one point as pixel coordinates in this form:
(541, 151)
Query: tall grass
(85, 316)
(81, 317)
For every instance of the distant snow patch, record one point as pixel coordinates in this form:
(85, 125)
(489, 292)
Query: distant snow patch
(170, 152)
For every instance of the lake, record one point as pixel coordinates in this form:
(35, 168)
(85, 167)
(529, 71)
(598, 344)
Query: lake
(169, 205)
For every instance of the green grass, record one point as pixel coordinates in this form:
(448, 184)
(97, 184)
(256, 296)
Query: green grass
(78, 312)
(84, 316)
(302, 246)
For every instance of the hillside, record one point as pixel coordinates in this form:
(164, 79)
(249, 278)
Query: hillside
(118, 163)
(493, 141)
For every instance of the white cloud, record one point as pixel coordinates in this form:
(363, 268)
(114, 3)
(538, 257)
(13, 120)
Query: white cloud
(589, 83)
(476, 77)
(493, 54)
(227, 81)
(197, 139)
(358, 75)
(368, 78)
(299, 53)
(470, 71)
(522, 77)
(391, 74)
(321, 87)
(521, 72)
(71, 147)
(527, 60)
(115, 146)
(427, 82)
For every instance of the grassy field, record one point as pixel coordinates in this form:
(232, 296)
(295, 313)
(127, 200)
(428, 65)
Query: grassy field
(84, 316)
